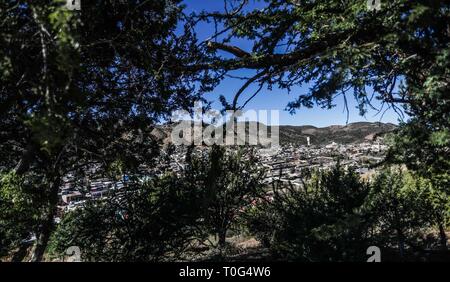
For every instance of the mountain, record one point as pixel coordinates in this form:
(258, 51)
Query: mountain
(357, 132)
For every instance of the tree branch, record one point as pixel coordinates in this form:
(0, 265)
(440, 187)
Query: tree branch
(238, 52)
(245, 86)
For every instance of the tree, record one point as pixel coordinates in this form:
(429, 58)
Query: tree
(338, 46)
(230, 183)
(151, 221)
(324, 220)
(167, 217)
(398, 54)
(334, 216)
(18, 214)
(399, 209)
(84, 88)
(405, 205)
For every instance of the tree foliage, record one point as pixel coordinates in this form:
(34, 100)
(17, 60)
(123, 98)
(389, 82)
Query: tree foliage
(322, 221)
(153, 221)
(168, 217)
(336, 216)
(231, 182)
(83, 88)
(398, 54)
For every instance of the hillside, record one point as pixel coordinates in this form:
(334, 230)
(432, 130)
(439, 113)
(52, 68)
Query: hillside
(351, 133)
(345, 134)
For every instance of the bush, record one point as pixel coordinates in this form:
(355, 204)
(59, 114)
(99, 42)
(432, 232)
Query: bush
(155, 221)
(231, 182)
(335, 216)
(21, 204)
(406, 207)
(322, 221)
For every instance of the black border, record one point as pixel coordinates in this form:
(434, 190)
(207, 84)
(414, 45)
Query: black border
(128, 272)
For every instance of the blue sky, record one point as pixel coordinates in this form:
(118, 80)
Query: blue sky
(277, 99)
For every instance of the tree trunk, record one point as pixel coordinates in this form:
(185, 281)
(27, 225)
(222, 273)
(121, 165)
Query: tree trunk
(222, 237)
(443, 237)
(24, 163)
(401, 243)
(42, 239)
(21, 253)
(222, 232)
(47, 225)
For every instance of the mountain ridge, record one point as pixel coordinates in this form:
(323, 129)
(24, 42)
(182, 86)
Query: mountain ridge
(356, 132)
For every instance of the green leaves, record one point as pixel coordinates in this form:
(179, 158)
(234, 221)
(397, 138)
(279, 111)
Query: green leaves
(419, 13)
(151, 221)
(322, 221)
(10, 185)
(79, 88)
(19, 212)
(335, 216)
(441, 138)
(50, 132)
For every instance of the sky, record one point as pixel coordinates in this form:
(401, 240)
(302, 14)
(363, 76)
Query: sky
(277, 99)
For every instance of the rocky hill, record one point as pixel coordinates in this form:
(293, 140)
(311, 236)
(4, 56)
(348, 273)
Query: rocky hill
(344, 134)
